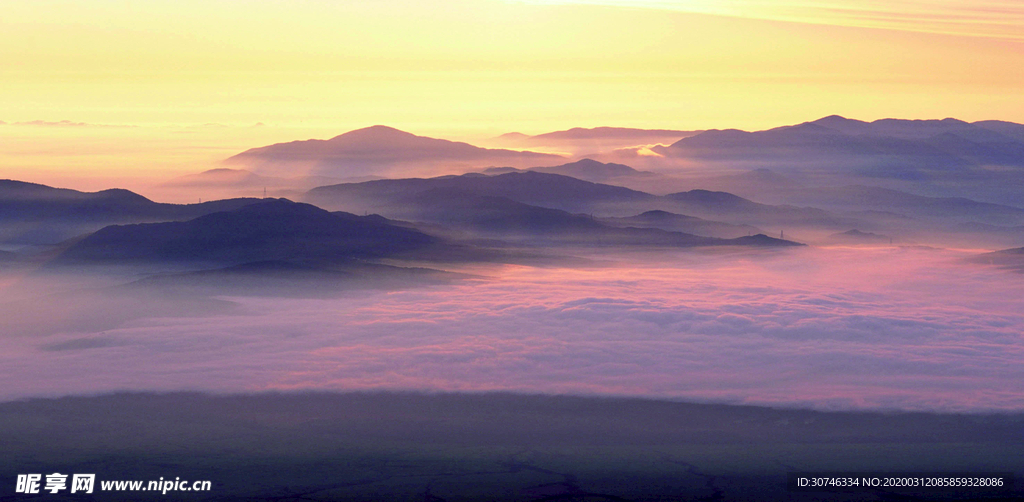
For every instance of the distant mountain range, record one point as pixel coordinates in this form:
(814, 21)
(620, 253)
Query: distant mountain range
(402, 199)
(945, 158)
(287, 236)
(506, 219)
(888, 148)
(378, 150)
(769, 186)
(595, 139)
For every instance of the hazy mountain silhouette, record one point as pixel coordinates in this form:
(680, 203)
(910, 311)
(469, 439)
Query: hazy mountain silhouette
(734, 208)
(376, 149)
(272, 230)
(581, 142)
(752, 183)
(534, 188)
(398, 199)
(809, 143)
(686, 224)
(1012, 259)
(597, 137)
(584, 169)
(861, 197)
(31, 213)
(888, 148)
(1009, 129)
(503, 218)
(612, 132)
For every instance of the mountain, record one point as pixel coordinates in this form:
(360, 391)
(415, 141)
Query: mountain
(735, 209)
(508, 220)
(607, 136)
(899, 128)
(1008, 129)
(686, 224)
(577, 133)
(271, 230)
(592, 170)
(859, 197)
(887, 148)
(584, 169)
(752, 183)
(1011, 259)
(392, 197)
(398, 199)
(513, 136)
(31, 213)
(378, 150)
(724, 204)
(580, 141)
(809, 143)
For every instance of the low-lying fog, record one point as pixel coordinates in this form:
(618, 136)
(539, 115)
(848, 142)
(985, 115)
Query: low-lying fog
(828, 328)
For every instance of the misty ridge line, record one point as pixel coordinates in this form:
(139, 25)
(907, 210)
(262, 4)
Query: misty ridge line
(369, 144)
(723, 202)
(628, 289)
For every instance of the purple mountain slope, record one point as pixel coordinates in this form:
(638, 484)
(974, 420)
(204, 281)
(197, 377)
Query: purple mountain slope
(365, 151)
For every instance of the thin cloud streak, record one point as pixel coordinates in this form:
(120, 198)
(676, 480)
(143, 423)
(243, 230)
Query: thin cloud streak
(984, 18)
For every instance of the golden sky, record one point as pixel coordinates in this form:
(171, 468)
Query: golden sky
(470, 69)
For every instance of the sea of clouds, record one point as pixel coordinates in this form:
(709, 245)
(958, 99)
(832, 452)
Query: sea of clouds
(827, 328)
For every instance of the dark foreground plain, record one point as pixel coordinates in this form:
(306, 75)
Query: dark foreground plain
(476, 447)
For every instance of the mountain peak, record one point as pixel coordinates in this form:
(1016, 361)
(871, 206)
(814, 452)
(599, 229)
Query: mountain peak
(377, 149)
(374, 133)
(837, 120)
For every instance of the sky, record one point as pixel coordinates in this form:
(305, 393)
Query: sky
(468, 69)
(103, 93)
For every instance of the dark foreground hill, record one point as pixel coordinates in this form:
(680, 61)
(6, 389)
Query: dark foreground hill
(271, 230)
(495, 447)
